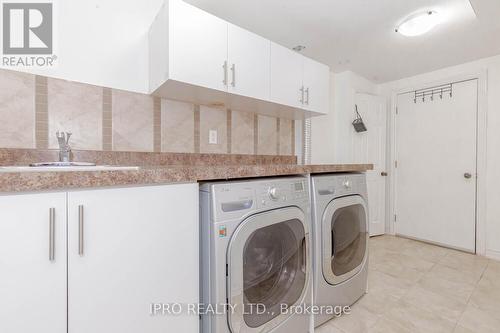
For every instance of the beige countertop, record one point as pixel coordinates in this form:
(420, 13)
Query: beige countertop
(148, 175)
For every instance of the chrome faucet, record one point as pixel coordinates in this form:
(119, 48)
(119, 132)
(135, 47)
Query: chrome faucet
(64, 147)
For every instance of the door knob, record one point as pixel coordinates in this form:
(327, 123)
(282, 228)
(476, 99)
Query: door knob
(383, 174)
(467, 175)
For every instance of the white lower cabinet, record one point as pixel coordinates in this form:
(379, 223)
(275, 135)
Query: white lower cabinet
(126, 249)
(33, 263)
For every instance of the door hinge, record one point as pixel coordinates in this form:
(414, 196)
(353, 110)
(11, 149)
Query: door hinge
(395, 164)
(395, 218)
(397, 110)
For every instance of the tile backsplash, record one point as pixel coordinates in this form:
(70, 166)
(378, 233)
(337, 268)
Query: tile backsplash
(33, 108)
(17, 110)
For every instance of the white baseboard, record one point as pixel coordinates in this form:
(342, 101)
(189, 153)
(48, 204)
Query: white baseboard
(495, 255)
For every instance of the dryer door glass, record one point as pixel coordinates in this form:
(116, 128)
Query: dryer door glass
(349, 239)
(274, 270)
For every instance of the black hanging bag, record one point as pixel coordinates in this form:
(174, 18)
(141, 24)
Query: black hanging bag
(359, 125)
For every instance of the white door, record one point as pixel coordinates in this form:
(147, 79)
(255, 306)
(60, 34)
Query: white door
(370, 147)
(436, 153)
(128, 248)
(317, 86)
(249, 62)
(286, 76)
(33, 263)
(198, 47)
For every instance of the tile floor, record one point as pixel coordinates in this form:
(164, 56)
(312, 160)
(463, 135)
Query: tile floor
(417, 287)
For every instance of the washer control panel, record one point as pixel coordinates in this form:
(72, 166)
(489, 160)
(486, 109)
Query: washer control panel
(281, 192)
(235, 199)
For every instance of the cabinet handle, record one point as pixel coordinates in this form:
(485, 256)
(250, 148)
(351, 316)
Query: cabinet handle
(307, 96)
(52, 227)
(80, 230)
(233, 70)
(302, 95)
(225, 73)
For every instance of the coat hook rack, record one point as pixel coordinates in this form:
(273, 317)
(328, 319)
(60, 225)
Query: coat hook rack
(430, 92)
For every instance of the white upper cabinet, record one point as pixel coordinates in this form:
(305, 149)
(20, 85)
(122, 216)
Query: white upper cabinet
(286, 76)
(33, 263)
(299, 81)
(199, 58)
(316, 86)
(248, 61)
(187, 45)
(198, 47)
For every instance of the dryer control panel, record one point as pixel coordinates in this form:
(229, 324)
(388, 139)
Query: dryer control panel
(339, 185)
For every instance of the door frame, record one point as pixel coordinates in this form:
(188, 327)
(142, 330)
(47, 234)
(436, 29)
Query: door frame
(481, 143)
(385, 208)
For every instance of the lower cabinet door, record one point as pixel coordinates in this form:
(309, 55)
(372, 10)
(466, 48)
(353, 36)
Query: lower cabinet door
(129, 249)
(33, 263)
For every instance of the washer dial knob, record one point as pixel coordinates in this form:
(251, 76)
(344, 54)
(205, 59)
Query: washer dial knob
(273, 193)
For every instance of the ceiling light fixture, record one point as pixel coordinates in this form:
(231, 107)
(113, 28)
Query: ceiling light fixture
(419, 24)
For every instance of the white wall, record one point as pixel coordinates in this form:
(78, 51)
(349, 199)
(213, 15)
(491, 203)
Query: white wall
(323, 132)
(331, 135)
(491, 180)
(102, 42)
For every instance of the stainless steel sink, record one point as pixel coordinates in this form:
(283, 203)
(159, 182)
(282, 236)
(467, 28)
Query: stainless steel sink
(62, 164)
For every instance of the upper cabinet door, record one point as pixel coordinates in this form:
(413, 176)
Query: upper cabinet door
(198, 47)
(198, 58)
(248, 61)
(128, 248)
(316, 86)
(286, 76)
(33, 263)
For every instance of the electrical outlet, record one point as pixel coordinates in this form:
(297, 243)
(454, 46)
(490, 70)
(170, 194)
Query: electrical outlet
(212, 137)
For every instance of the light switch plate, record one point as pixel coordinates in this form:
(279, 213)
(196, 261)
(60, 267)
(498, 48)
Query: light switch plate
(212, 137)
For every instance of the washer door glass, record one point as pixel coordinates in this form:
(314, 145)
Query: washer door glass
(345, 238)
(349, 236)
(273, 269)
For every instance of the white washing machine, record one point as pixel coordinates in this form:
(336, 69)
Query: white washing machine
(255, 255)
(340, 240)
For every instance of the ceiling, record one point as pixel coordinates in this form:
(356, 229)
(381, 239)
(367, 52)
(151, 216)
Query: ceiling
(359, 35)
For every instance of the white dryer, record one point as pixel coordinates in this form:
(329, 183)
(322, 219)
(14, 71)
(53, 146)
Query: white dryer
(340, 240)
(255, 255)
